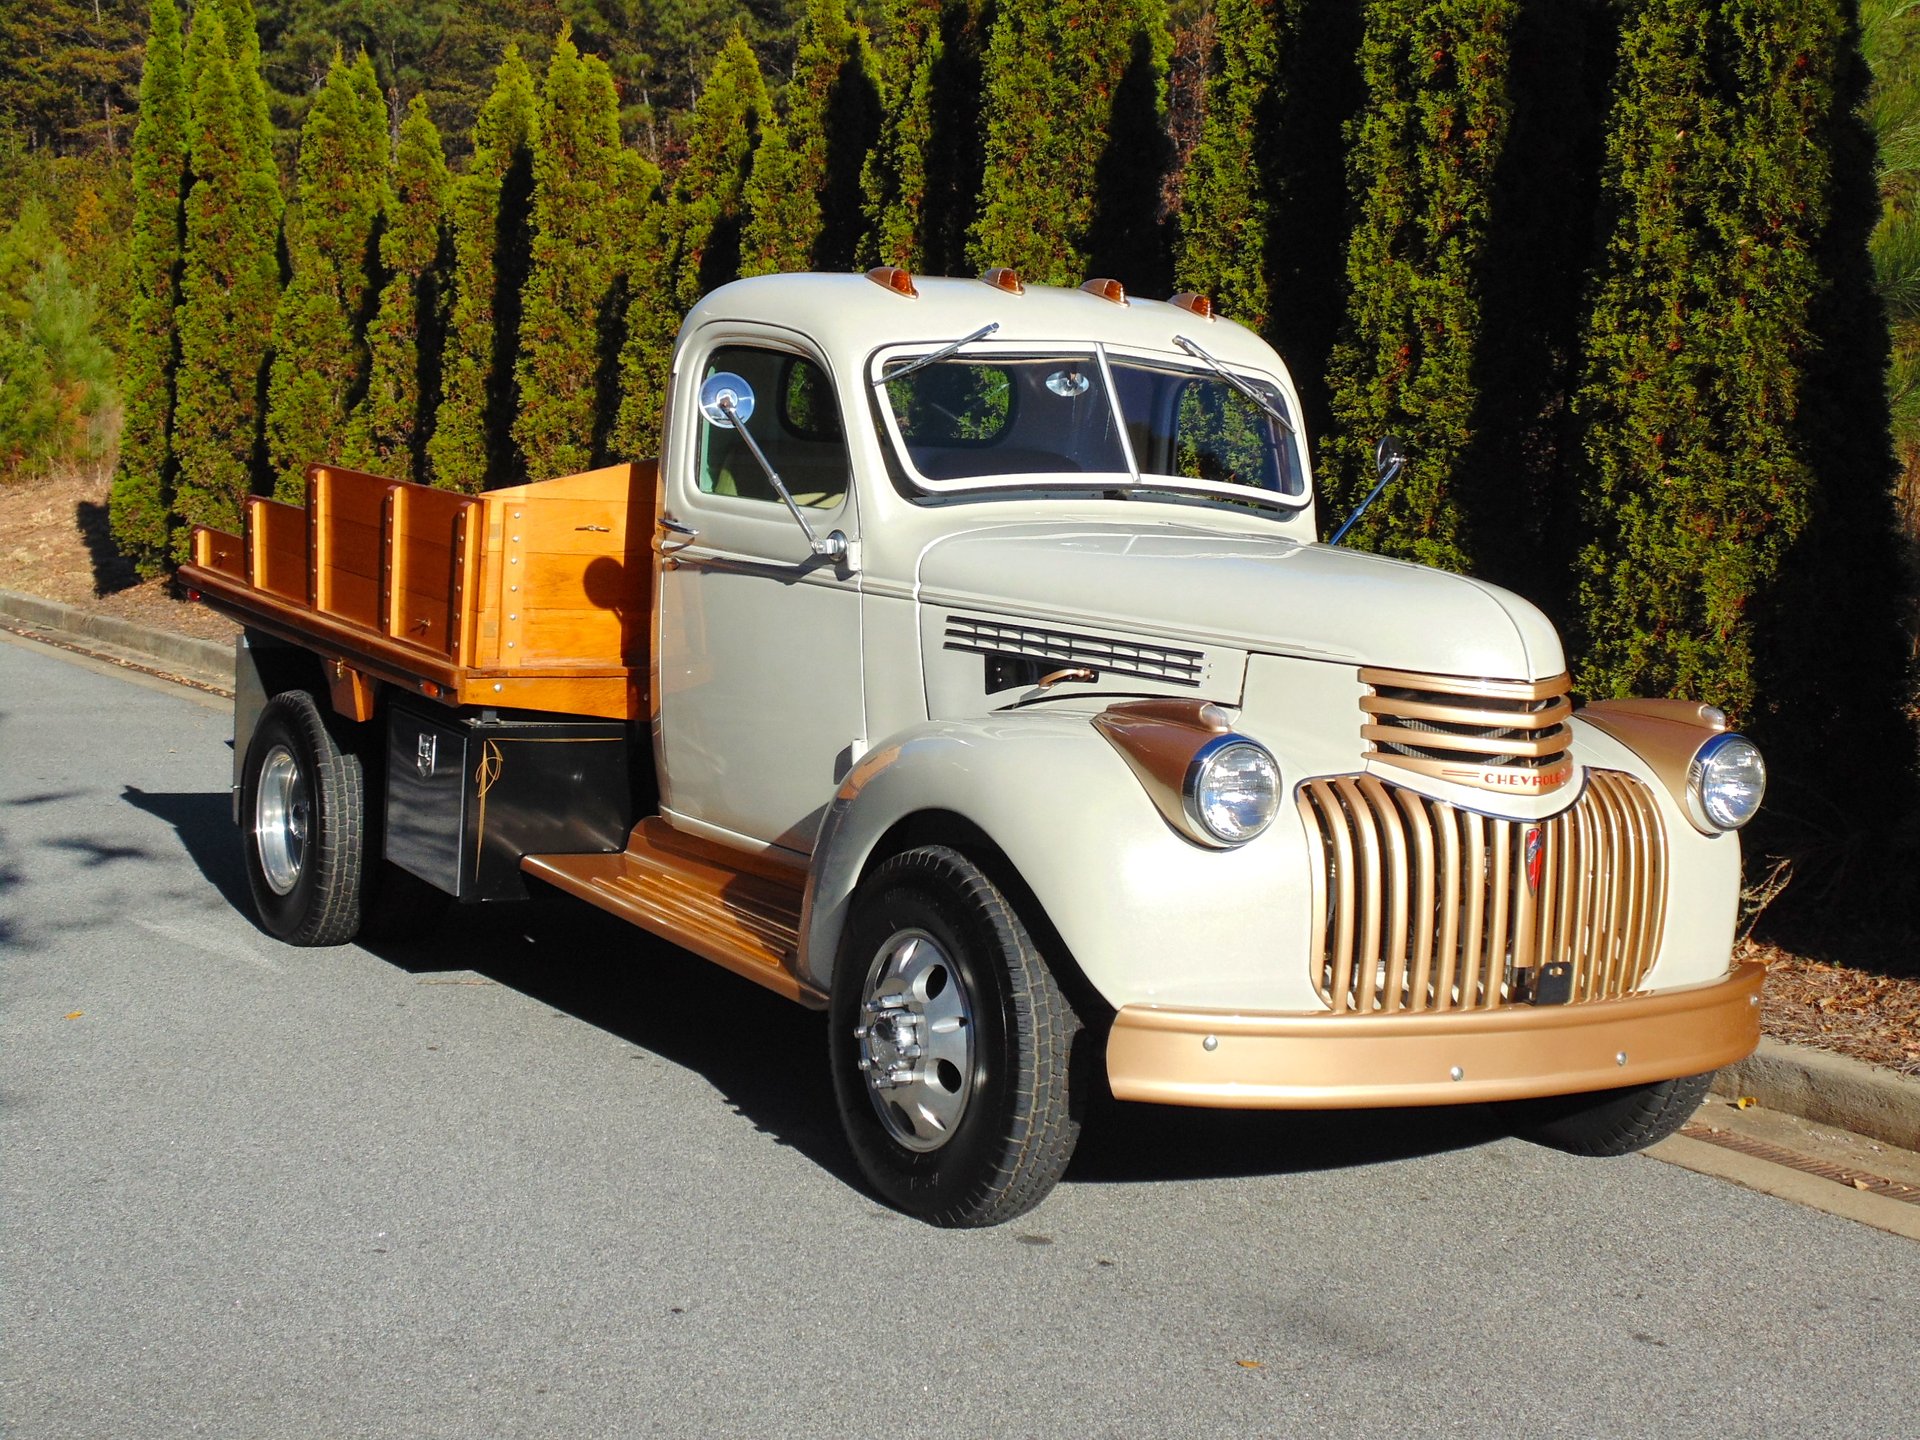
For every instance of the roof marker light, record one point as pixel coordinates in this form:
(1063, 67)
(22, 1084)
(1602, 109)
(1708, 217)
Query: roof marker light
(1199, 304)
(1107, 290)
(1001, 278)
(893, 278)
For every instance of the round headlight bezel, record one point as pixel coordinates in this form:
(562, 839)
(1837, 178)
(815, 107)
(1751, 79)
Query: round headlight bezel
(1707, 808)
(1204, 767)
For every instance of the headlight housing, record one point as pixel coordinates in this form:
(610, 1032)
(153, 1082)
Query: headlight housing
(1726, 780)
(1232, 790)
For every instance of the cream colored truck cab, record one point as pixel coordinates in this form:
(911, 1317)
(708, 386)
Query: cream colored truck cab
(1002, 700)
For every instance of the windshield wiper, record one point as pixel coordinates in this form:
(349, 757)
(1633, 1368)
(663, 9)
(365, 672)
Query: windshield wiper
(942, 353)
(1234, 380)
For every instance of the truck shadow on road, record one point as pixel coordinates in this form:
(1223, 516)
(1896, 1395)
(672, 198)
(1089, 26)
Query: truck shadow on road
(767, 1057)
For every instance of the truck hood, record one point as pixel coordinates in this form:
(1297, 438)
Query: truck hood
(1266, 594)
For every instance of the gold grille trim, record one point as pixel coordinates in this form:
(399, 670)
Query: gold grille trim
(1508, 736)
(1419, 905)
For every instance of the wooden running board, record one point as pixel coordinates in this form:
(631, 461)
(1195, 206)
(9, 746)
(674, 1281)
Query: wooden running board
(735, 909)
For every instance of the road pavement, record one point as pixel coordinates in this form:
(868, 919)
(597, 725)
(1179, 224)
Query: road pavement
(546, 1176)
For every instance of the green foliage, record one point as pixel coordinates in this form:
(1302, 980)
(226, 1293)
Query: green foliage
(588, 191)
(56, 375)
(228, 288)
(705, 215)
(140, 504)
(319, 352)
(68, 71)
(804, 193)
(1054, 71)
(923, 175)
(1421, 160)
(1696, 488)
(1890, 37)
(471, 446)
(1227, 212)
(388, 431)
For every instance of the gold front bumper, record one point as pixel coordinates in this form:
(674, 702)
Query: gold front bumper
(1235, 1060)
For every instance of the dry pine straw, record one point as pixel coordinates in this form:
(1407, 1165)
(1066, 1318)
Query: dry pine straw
(53, 543)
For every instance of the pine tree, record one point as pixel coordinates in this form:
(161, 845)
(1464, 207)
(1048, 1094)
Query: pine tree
(388, 430)
(471, 445)
(1053, 73)
(227, 292)
(143, 484)
(586, 189)
(1227, 215)
(804, 192)
(923, 177)
(1422, 158)
(1696, 487)
(319, 362)
(700, 233)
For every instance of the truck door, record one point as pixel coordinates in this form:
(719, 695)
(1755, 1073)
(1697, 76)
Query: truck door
(760, 711)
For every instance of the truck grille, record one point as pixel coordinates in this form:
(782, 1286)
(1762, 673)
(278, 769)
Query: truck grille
(1421, 906)
(1065, 647)
(1508, 736)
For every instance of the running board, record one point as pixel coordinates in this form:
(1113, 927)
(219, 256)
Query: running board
(735, 909)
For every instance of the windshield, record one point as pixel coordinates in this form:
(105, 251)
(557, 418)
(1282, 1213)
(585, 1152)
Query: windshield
(1007, 419)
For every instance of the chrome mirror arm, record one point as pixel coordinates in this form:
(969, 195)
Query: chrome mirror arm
(834, 546)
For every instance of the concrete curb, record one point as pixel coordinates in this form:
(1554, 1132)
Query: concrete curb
(1825, 1088)
(1829, 1089)
(206, 661)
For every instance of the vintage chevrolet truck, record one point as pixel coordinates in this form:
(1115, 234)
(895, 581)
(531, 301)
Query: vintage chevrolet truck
(968, 666)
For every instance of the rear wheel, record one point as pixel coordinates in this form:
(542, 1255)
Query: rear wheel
(1608, 1122)
(950, 1045)
(303, 824)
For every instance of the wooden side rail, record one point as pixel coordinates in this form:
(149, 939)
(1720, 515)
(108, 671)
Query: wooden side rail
(537, 597)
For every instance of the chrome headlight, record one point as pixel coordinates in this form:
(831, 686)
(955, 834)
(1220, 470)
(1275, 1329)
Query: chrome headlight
(1232, 790)
(1726, 780)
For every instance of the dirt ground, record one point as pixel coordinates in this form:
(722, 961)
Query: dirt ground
(54, 543)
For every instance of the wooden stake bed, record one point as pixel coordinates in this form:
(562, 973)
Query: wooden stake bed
(533, 598)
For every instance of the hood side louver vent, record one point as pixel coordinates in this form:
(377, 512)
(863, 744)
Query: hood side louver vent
(1061, 647)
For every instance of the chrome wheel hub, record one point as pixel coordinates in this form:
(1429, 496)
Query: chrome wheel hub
(916, 1040)
(281, 811)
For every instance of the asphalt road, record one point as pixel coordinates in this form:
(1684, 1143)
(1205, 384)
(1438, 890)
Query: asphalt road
(545, 1176)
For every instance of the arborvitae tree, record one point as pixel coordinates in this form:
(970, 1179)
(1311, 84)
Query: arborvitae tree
(701, 229)
(1697, 487)
(143, 485)
(587, 189)
(922, 179)
(229, 283)
(388, 430)
(1053, 74)
(1226, 213)
(805, 189)
(319, 362)
(471, 445)
(1422, 160)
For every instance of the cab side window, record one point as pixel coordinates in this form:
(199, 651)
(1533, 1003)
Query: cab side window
(796, 422)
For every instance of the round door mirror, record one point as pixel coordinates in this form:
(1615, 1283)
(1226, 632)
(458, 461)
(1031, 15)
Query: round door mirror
(1388, 453)
(723, 393)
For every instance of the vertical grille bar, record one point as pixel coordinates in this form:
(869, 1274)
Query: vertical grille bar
(1420, 906)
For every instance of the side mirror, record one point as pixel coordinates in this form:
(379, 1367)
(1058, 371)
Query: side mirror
(726, 398)
(1388, 454)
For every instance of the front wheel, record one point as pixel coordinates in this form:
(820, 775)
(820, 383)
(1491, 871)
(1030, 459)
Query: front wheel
(950, 1045)
(1608, 1122)
(303, 825)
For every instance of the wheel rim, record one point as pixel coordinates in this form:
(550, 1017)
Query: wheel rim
(916, 1040)
(281, 810)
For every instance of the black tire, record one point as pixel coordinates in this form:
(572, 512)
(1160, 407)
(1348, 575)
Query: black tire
(1608, 1122)
(303, 825)
(1004, 1094)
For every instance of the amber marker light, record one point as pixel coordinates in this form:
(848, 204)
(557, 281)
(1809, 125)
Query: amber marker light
(893, 278)
(1107, 290)
(1196, 304)
(1001, 278)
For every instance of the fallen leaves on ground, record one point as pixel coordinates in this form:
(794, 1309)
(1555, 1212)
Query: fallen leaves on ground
(1875, 1018)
